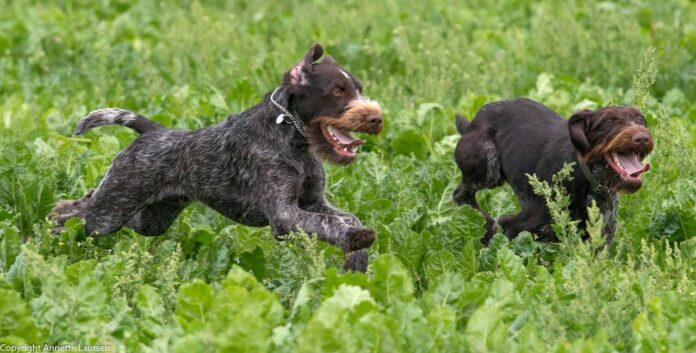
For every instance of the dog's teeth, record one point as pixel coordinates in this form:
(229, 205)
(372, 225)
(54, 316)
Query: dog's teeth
(617, 161)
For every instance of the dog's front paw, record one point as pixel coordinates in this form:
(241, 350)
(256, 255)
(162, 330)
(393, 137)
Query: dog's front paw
(359, 238)
(356, 261)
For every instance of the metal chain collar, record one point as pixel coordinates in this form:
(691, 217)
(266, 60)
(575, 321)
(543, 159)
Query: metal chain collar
(285, 113)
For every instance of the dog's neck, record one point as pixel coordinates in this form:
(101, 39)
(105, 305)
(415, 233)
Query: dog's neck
(288, 112)
(596, 187)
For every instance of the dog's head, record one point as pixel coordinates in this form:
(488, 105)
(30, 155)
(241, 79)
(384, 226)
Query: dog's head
(616, 138)
(330, 102)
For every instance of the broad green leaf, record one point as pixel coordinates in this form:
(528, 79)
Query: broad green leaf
(17, 325)
(486, 331)
(194, 301)
(511, 267)
(469, 259)
(330, 328)
(149, 303)
(439, 262)
(80, 269)
(442, 321)
(390, 280)
(445, 290)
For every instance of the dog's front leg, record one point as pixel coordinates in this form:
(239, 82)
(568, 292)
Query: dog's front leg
(312, 198)
(289, 206)
(357, 260)
(314, 201)
(330, 228)
(320, 205)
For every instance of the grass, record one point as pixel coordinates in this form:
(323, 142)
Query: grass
(212, 285)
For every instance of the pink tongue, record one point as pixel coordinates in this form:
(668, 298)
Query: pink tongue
(345, 139)
(631, 164)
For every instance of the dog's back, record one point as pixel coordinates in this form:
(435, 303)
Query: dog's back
(529, 137)
(521, 117)
(504, 142)
(509, 138)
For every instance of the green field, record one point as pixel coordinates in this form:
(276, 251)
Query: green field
(211, 285)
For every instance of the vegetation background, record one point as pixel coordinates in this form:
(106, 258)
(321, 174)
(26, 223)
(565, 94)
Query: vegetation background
(212, 285)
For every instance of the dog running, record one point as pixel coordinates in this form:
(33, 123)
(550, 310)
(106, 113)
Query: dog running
(259, 167)
(507, 140)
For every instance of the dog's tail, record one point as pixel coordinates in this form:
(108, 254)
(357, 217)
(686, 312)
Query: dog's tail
(114, 116)
(461, 123)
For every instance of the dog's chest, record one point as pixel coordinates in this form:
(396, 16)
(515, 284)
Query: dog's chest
(608, 207)
(312, 174)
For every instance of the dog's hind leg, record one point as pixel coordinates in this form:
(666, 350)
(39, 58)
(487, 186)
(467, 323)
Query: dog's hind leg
(156, 218)
(532, 218)
(479, 162)
(115, 202)
(105, 216)
(67, 209)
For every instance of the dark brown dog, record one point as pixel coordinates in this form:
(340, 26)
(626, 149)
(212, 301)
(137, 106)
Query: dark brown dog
(509, 139)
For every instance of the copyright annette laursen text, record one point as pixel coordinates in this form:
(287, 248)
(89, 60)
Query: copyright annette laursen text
(55, 348)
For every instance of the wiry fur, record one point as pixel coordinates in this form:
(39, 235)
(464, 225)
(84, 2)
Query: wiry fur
(115, 116)
(508, 140)
(361, 115)
(248, 168)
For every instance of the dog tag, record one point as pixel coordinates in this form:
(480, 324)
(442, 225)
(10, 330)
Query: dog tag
(280, 118)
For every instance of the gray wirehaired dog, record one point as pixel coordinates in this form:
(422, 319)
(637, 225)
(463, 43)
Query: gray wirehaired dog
(259, 167)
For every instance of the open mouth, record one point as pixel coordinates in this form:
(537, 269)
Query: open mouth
(627, 165)
(342, 142)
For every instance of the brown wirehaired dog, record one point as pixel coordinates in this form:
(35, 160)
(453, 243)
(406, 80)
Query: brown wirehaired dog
(509, 139)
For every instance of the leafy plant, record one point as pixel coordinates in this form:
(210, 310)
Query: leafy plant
(212, 285)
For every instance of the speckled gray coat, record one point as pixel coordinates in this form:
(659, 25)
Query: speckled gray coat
(249, 168)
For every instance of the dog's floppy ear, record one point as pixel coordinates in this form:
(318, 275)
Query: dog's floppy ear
(577, 125)
(297, 76)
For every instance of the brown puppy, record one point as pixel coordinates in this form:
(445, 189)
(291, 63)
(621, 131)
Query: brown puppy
(509, 139)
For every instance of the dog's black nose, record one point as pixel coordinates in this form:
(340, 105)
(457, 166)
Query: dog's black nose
(640, 138)
(374, 119)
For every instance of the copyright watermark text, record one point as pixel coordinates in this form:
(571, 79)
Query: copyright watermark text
(55, 348)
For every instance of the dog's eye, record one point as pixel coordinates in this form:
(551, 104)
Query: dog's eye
(338, 92)
(611, 121)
